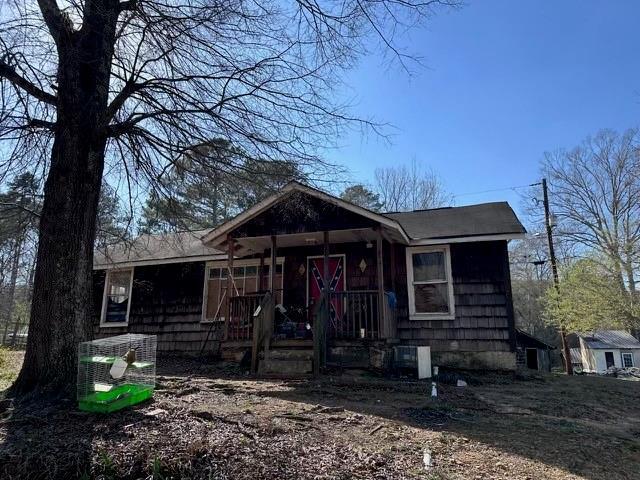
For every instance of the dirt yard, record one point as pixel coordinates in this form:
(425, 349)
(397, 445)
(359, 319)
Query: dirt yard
(215, 422)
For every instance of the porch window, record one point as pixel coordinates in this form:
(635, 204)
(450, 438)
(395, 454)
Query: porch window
(116, 301)
(429, 283)
(627, 359)
(246, 282)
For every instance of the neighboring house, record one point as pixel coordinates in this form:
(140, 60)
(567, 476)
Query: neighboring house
(608, 348)
(576, 358)
(347, 282)
(532, 353)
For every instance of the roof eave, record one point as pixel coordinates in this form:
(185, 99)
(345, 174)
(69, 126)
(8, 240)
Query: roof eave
(467, 239)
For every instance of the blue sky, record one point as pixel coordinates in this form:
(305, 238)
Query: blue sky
(504, 82)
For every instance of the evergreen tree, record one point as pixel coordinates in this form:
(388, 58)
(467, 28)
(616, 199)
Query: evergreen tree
(363, 197)
(211, 184)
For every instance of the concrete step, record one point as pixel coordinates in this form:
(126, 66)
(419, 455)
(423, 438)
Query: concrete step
(289, 354)
(274, 366)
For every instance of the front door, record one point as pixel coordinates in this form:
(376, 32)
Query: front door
(532, 358)
(315, 274)
(608, 357)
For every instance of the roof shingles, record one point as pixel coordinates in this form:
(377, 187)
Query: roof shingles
(473, 220)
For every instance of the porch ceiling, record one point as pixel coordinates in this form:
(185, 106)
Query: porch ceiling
(253, 245)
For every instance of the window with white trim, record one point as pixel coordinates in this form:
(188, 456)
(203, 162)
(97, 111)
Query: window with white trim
(627, 359)
(246, 280)
(429, 282)
(116, 301)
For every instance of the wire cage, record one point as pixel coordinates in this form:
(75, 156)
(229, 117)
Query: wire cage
(116, 372)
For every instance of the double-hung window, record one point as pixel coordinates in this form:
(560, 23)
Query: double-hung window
(246, 281)
(116, 301)
(429, 283)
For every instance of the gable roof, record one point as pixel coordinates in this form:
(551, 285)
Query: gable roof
(610, 339)
(496, 218)
(157, 249)
(439, 225)
(527, 340)
(218, 235)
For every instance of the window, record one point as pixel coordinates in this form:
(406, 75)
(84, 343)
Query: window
(627, 359)
(246, 281)
(116, 301)
(429, 283)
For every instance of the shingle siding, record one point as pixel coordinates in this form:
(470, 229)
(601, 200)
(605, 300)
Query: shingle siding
(483, 309)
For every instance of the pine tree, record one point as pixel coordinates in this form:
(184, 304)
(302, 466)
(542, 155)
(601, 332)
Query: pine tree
(210, 185)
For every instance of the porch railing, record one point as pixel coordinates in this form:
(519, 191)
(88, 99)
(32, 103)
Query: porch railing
(354, 314)
(241, 310)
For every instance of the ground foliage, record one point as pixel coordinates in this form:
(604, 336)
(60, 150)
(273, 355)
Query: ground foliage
(212, 421)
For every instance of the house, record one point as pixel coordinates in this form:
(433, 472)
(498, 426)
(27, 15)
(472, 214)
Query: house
(576, 359)
(603, 349)
(306, 277)
(532, 353)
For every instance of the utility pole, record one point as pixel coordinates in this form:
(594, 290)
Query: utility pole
(568, 367)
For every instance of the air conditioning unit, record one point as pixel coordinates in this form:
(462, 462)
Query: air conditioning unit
(415, 358)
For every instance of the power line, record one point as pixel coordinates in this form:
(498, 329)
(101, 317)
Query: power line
(497, 190)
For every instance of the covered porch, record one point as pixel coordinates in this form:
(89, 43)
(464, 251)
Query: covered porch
(332, 283)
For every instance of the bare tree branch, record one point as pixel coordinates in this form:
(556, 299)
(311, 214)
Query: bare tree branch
(8, 72)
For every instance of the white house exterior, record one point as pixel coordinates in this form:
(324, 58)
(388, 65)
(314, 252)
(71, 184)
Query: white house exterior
(609, 348)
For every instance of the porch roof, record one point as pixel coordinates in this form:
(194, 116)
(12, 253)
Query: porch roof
(391, 228)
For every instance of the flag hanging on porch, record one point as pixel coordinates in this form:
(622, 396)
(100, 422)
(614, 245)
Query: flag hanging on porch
(336, 284)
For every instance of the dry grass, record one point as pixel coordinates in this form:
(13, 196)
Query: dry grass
(10, 361)
(214, 422)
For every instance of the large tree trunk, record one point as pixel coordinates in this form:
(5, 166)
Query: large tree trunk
(61, 305)
(61, 313)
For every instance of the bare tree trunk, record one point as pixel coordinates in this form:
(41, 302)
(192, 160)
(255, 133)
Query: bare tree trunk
(61, 312)
(13, 278)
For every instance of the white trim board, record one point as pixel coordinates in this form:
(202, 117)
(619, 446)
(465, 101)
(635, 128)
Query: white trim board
(159, 261)
(471, 239)
(103, 310)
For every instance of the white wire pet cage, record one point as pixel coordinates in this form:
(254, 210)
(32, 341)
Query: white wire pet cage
(116, 372)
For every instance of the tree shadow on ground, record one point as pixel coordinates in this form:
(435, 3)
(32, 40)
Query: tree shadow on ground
(586, 426)
(47, 439)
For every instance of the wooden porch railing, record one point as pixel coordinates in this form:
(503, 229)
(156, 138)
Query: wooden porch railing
(241, 310)
(354, 314)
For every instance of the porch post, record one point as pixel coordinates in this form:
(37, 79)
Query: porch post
(230, 252)
(382, 327)
(272, 279)
(261, 273)
(272, 269)
(322, 320)
(392, 324)
(325, 272)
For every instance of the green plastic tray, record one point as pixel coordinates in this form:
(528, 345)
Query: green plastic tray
(120, 397)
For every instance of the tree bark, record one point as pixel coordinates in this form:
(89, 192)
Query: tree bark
(13, 278)
(61, 312)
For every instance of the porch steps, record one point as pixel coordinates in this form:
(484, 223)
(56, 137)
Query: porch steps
(286, 362)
